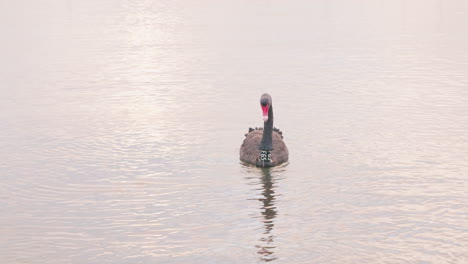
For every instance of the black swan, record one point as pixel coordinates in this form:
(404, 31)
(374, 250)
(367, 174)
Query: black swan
(264, 147)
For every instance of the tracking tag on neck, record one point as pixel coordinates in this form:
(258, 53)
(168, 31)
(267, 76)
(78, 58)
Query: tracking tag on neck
(265, 156)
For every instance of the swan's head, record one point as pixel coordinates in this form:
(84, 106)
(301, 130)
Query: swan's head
(265, 103)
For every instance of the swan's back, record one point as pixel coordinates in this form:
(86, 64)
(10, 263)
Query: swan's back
(250, 152)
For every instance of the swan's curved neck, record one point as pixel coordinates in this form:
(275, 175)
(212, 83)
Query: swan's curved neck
(267, 138)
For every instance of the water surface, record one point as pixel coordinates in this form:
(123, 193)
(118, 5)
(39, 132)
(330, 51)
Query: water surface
(121, 123)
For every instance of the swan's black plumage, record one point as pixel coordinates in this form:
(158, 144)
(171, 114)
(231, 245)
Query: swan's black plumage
(264, 141)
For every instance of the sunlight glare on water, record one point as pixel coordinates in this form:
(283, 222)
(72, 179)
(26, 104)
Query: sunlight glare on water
(122, 121)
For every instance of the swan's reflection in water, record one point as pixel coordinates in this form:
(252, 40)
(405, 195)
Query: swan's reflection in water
(268, 212)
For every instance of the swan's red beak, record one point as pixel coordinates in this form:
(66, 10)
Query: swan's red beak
(265, 112)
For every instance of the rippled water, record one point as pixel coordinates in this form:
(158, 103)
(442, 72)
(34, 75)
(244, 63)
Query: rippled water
(121, 123)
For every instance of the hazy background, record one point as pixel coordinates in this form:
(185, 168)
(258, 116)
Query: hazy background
(121, 121)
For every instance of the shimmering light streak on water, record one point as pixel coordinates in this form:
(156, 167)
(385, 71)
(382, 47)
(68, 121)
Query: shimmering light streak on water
(121, 123)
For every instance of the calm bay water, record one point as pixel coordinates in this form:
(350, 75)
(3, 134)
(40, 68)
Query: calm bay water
(121, 123)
